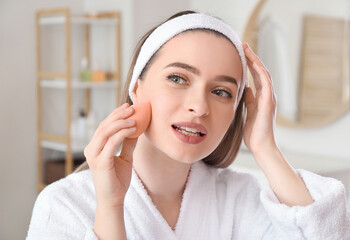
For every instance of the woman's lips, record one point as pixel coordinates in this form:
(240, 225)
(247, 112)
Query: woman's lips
(189, 132)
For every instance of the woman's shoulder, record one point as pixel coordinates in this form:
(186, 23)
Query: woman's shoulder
(72, 188)
(79, 180)
(66, 204)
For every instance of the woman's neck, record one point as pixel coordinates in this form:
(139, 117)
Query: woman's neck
(164, 178)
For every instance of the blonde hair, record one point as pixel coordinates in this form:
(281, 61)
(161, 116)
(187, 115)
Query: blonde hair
(226, 151)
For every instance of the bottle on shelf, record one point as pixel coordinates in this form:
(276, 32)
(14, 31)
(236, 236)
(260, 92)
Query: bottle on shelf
(85, 73)
(97, 74)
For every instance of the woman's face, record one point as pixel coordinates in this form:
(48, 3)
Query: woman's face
(191, 83)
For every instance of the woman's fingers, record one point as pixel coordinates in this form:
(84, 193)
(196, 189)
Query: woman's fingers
(106, 129)
(117, 113)
(123, 106)
(102, 135)
(255, 74)
(249, 100)
(112, 144)
(261, 76)
(249, 96)
(251, 56)
(255, 64)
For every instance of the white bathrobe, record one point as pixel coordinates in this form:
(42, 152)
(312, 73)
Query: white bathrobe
(217, 204)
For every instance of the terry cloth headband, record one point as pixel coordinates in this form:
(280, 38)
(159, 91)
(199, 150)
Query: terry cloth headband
(171, 28)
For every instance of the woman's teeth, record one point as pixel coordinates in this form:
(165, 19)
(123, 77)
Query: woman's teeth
(188, 131)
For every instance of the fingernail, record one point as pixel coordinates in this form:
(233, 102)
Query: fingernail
(130, 121)
(248, 45)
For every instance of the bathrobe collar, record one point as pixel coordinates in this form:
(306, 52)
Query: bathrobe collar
(197, 200)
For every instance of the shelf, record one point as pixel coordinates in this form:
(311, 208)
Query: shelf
(77, 20)
(77, 146)
(61, 21)
(76, 84)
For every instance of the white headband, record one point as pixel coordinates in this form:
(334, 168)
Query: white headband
(171, 28)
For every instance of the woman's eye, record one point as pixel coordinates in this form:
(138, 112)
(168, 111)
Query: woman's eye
(222, 93)
(176, 79)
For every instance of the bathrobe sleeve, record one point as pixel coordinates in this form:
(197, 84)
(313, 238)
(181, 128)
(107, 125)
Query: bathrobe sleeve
(326, 218)
(56, 216)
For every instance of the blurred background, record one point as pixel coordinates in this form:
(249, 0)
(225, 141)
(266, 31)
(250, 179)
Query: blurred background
(63, 63)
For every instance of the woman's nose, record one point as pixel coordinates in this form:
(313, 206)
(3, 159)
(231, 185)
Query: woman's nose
(198, 105)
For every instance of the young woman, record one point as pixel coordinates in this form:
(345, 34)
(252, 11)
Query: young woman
(172, 181)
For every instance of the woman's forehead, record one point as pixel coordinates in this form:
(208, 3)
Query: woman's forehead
(202, 49)
(199, 35)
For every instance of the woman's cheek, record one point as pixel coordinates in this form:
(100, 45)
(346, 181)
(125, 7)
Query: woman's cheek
(160, 112)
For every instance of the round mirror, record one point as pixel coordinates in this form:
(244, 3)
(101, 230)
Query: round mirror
(305, 46)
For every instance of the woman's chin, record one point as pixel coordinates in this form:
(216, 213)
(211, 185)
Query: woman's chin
(183, 157)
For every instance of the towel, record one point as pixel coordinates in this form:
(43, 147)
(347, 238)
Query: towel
(216, 204)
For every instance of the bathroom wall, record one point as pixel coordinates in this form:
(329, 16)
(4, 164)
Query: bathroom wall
(18, 112)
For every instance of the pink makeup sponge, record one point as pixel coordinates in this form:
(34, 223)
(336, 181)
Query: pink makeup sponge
(142, 117)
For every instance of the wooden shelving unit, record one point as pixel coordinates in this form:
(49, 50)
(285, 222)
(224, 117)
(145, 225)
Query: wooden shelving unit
(64, 81)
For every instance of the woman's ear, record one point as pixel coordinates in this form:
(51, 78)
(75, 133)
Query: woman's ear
(136, 93)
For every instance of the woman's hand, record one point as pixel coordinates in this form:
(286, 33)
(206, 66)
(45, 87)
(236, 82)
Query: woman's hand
(259, 137)
(261, 108)
(111, 175)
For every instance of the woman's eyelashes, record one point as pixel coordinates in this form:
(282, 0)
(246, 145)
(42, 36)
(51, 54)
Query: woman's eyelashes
(222, 93)
(178, 79)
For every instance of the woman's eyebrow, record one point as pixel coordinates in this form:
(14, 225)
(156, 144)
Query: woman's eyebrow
(220, 78)
(184, 66)
(223, 78)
